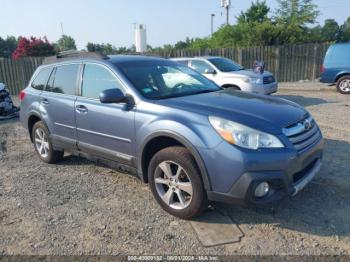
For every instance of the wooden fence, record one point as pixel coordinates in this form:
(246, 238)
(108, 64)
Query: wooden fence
(288, 63)
(17, 73)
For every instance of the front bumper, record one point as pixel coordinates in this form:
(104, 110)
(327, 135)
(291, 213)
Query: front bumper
(287, 173)
(266, 89)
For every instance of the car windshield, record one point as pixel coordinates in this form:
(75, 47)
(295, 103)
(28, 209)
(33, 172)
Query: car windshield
(162, 79)
(225, 65)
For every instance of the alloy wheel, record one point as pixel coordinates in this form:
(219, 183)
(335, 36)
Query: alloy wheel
(41, 142)
(345, 85)
(173, 185)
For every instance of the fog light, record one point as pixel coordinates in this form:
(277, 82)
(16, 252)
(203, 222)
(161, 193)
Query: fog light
(262, 189)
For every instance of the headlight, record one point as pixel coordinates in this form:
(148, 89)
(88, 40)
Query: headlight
(244, 136)
(253, 80)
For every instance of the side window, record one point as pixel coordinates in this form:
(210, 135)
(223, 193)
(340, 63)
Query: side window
(41, 79)
(200, 66)
(64, 79)
(97, 79)
(184, 62)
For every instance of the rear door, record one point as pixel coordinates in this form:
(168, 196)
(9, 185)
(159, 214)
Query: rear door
(103, 129)
(57, 104)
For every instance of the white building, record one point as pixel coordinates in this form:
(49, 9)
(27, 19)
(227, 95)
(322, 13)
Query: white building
(140, 39)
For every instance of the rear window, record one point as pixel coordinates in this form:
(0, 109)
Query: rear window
(64, 79)
(40, 81)
(338, 56)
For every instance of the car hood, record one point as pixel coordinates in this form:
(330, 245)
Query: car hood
(245, 73)
(265, 113)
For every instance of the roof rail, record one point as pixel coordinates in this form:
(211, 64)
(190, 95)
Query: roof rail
(70, 54)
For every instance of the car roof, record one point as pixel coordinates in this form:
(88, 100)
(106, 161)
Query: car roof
(79, 56)
(196, 57)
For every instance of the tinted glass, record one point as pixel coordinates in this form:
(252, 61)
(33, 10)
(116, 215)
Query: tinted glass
(164, 79)
(51, 80)
(41, 79)
(200, 66)
(97, 79)
(338, 56)
(64, 80)
(184, 62)
(225, 65)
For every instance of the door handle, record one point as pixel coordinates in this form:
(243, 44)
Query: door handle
(45, 101)
(81, 109)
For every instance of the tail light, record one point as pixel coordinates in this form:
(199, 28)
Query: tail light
(322, 68)
(21, 95)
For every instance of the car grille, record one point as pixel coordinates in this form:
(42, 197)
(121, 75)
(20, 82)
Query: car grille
(303, 134)
(268, 80)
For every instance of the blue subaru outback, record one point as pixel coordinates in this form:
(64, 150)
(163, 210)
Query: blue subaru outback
(190, 140)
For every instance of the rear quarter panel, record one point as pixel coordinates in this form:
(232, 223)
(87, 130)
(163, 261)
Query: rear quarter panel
(30, 105)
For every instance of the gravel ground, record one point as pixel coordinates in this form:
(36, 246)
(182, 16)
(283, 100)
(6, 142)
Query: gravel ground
(77, 207)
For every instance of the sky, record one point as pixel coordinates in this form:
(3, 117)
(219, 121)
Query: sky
(112, 21)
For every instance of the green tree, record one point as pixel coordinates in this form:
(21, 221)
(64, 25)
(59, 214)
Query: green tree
(257, 13)
(293, 17)
(344, 32)
(8, 46)
(315, 34)
(230, 36)
(109, 49)
(183, 44)
(330, 30)
(66, 43)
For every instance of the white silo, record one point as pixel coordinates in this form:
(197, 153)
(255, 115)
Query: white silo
(140, 39)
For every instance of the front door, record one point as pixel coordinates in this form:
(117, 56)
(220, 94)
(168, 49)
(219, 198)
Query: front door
(103, 129)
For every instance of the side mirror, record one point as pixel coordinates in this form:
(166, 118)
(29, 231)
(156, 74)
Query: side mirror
(210, 72)
(114, 95)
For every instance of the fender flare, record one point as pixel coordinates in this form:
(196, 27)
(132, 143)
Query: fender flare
(187, 144)
(31, 114)
(341, 74)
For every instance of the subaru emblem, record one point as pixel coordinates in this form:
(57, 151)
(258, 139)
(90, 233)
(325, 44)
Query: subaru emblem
(307, 124)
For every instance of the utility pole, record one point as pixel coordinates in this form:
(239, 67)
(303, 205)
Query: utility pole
(226, 4)
(227, 15)
(212, 24)
(62, 32)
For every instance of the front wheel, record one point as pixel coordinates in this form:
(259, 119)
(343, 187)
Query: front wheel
(343, 85)
(176, 183)
(232, 87)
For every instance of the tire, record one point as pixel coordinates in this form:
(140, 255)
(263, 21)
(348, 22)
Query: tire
(343, 85)
(171, 159)
(47, 154)
(232, 87)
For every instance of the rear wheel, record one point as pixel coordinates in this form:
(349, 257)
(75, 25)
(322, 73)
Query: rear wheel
(343, 85)
(43, 145)
(176, 183)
